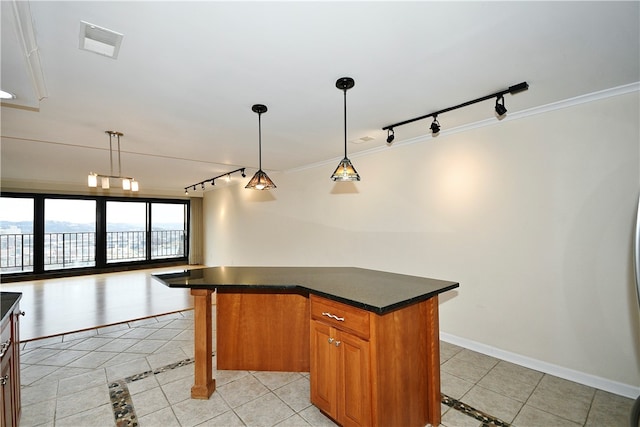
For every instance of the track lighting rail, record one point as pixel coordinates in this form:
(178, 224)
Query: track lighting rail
(194, 187)
(512, 90)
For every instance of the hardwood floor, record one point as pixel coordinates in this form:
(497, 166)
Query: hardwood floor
(59, 306)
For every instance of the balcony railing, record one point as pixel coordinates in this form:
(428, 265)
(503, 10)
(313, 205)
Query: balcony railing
(16, 252)
(168, 244)
(69, 250)
(74, 250)
(126, 246)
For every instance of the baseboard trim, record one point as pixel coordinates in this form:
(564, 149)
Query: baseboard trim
(600, 383)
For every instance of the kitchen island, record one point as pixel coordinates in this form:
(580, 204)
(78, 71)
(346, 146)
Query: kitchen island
(370, 339)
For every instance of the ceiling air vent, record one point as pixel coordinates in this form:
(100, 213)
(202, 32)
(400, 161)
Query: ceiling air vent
(99, 40)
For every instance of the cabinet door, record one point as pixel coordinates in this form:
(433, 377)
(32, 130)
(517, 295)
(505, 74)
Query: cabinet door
(354, 381)
(15, 367)
(6, 385)
(323, 368)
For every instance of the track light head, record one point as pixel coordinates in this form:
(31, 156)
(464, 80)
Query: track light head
(435, 126)
(244, 175)
(501, 110)
(390, 136)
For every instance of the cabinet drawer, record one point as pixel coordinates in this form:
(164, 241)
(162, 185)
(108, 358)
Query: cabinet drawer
(341, 316)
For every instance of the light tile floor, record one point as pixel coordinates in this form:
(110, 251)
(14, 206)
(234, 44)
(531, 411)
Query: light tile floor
(83, 378)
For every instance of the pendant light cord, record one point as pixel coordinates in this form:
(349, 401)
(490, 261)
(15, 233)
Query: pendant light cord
(260, 141)
(110, 156)
(119, 161)
(345, 123)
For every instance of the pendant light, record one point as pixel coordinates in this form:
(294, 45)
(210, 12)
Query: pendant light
(128, 183)
(345, 170)
(260, 180)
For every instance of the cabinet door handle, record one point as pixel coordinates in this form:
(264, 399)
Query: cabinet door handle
(330, 340)
(4, 380)
(333, 316)
(337, 343)
(22, 313)
(4, 346)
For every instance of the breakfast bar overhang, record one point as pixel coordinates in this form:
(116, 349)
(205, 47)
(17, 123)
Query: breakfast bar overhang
(370, 339)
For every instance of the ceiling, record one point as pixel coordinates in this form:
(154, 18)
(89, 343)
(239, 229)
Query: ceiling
(187, 74)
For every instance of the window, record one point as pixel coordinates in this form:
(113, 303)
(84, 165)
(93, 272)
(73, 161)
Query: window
(46, 233)
(16, 234)
(126, 231)
(168, 230)
(69, 233)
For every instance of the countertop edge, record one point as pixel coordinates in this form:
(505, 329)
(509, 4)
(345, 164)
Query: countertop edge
(303, 288)
(7, 309)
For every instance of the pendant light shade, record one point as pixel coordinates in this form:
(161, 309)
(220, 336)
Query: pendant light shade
(345, 170)
(260, 180)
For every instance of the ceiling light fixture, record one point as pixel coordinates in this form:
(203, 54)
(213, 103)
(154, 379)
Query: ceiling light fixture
(6, 95)
(345, 170)
(435, 125)
(226, 176)
(390, 135)
(500, 108)
(128, 183)
(260, 180)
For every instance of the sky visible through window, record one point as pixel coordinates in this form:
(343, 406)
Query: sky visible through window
(73, 215)
(16, 209)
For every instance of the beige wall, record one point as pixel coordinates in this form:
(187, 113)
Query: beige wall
(533, 216)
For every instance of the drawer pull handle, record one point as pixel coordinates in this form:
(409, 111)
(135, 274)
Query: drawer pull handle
(4, 346)
(333, 316)
(4, 380)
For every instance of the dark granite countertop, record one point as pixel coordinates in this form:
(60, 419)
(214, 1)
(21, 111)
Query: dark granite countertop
(375, 291)
(7, 301)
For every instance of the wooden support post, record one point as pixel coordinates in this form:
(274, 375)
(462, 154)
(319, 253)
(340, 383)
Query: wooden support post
(433, 363)
(204, 384)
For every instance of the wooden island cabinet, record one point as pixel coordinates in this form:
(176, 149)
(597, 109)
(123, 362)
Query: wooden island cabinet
(369, 339)
(367, 369)
(340, 374)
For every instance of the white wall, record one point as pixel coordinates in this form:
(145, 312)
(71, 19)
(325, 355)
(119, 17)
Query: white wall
(532, 216)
